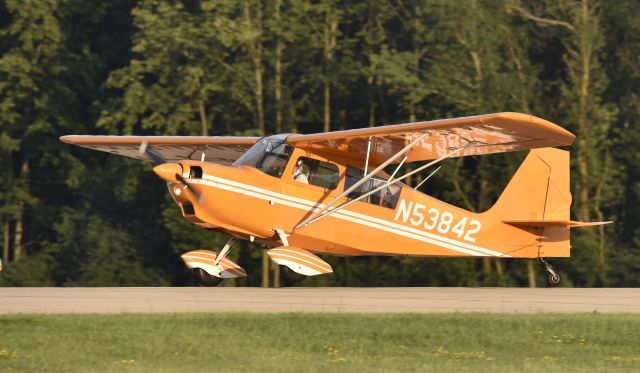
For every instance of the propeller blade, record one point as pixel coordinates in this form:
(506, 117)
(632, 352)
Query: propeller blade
(188, 186)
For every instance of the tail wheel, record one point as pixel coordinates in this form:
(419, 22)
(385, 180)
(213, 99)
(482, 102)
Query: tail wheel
(553, 279)
(289, 276)
(205, 279)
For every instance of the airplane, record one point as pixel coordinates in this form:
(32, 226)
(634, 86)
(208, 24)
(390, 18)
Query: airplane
(305, 195)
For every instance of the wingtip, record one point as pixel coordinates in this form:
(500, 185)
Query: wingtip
(579, 224)
(66, 138)
(564, 136)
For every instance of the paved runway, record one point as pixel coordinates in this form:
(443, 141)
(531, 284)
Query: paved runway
(198, 299)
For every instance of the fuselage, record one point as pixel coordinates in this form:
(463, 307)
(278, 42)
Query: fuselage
(250, 200)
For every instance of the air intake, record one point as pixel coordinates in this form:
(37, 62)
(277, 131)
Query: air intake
(187, 208)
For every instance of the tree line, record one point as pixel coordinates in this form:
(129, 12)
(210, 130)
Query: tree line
(74, 217)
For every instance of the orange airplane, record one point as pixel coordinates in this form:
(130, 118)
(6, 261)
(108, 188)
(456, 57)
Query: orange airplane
(328, 193)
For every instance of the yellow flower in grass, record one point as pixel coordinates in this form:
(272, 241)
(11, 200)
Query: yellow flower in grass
(335, 355)
(127, 362)
(551, 358)
(4, 353)
(624, 359)
(459, 355)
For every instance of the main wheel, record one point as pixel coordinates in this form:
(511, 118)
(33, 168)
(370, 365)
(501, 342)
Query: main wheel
(553, 279)
(205, 279)
(290, 277)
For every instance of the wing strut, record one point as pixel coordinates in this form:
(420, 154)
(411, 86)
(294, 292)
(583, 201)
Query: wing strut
(324, 212)
(397, 168)
(363, 180)
(366, 162)
(427, 178)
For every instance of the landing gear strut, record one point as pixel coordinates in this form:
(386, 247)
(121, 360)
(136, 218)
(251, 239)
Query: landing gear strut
(207, 279)
(553, 278)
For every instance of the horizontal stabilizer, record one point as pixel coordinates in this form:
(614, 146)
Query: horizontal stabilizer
(578, 224)
(554, 223)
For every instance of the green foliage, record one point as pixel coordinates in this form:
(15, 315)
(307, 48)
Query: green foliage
(36, 270)
(214, 66)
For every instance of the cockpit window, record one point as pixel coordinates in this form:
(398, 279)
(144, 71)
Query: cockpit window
(386, 197)
(269, 155)
(316, 172)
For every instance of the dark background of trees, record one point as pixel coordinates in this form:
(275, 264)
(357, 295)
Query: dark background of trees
(74, 217)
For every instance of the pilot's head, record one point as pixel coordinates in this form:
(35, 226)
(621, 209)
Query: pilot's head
(302, 167)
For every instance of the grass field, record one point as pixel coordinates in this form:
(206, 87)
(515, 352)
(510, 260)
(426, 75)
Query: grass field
(319, 342)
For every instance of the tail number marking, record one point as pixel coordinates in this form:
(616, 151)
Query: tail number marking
(442, 222)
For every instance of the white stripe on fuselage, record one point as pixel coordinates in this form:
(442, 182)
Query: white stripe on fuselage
(306, 205)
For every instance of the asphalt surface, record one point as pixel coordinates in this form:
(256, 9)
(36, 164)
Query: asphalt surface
(199, 299)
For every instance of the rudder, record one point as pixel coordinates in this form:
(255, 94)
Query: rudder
(538, 200)
(539, 190)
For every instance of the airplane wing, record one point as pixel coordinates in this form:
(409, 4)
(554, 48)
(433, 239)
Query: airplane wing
(487, 134)
(217, 149)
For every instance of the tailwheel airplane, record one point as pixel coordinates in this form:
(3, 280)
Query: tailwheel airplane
(328, 193)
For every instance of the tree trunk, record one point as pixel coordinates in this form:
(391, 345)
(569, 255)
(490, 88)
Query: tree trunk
(346, 279)
(524, 92)
(500, 271)
(597, 202)
(330, 29)
(372, 104)
(531, 274)
(327, 107)
(583, 164)
(17, 237)
(265, 269)
(486, 271)
(276, 274)
(203, 118)
(416, 72)
(255, 51)
(19, 227)
(278, 71)
(5, 241)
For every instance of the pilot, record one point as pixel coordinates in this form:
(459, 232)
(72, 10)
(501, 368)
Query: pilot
(301, 172)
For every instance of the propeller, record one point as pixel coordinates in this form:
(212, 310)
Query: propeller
(171, 172)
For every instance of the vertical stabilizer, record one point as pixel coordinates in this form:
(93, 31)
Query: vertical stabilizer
(539, 190)
(538, 200)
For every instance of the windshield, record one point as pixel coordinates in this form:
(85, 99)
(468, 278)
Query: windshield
(269, 155)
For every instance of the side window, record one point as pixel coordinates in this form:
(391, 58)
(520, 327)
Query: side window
(385, 197)
(195, 172)
(316, 172)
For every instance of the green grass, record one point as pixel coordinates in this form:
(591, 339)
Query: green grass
(255, 342)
